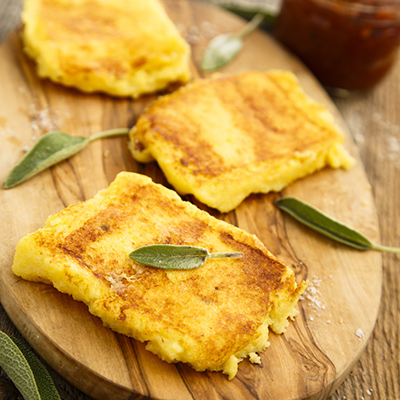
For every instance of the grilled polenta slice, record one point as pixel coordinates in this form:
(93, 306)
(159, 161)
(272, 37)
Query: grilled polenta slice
(211, 317)
(226, 137)
(124, 48)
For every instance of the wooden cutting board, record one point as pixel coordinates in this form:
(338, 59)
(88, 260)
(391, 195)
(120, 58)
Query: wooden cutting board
(337, 314)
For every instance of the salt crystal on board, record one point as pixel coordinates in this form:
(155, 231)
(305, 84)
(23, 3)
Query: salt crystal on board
(360, 334)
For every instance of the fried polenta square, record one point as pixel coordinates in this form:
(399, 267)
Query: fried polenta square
(123, 48)
(211, 317)
(225, 137)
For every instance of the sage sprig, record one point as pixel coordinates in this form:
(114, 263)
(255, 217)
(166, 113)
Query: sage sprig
(50, 149)
(25, 370)
(169, 256)
(328, 226)
(222, 49)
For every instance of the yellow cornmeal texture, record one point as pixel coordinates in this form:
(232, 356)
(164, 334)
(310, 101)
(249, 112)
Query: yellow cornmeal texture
(211, 317)
(226, 137)
(124, 48)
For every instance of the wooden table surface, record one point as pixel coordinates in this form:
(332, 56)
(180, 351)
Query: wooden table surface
(373, 118)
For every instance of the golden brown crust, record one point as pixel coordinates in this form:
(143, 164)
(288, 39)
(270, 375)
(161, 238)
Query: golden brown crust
(205, 315)
(122, 48)
(257, 110)
(251, 126)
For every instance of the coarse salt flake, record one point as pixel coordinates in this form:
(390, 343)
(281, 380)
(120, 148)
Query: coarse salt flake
(360, 333)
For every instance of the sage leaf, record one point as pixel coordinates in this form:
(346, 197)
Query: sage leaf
(43, 379)
(328, 226)
(222, 49)
(169, 256)
(50, 149)
(25, 370)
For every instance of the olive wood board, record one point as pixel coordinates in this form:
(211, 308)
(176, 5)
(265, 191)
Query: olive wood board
(337, 314)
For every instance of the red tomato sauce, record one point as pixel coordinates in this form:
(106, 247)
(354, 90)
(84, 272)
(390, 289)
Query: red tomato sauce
(346, 46)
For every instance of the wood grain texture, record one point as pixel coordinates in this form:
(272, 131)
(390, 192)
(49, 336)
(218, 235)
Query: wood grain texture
(374, 120)
(277, 239)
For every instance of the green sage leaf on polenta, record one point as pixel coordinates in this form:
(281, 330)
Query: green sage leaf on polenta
(168, 256)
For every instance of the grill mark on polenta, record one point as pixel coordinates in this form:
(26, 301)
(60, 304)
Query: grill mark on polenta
(332, 134)
(254, 260)
(241, 103)
(194, 152)
(221, 139)
(186, 232)
(93, 230)
(264, 112)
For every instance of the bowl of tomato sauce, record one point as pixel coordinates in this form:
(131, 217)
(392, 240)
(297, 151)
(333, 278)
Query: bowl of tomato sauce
(347, 44)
